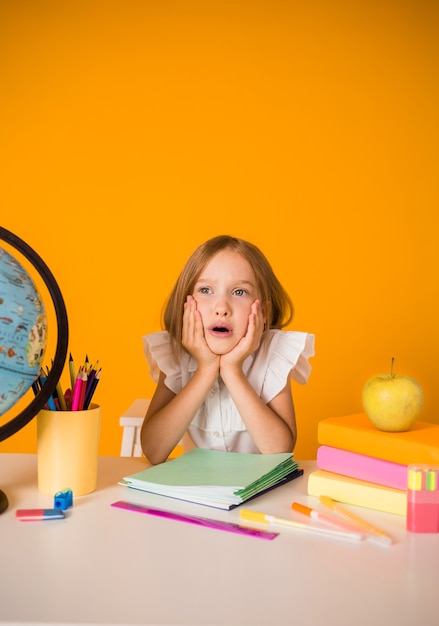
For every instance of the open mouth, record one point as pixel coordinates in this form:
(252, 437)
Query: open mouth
(220, 331)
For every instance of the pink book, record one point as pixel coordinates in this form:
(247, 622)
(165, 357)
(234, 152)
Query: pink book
(362, 467)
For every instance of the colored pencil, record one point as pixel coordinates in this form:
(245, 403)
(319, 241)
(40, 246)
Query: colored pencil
(72, 371)
(77, 391)
(90, 392)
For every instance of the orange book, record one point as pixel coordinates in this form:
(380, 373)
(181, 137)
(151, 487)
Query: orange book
(356, 433)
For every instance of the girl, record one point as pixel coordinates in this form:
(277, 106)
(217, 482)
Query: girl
(223, 365)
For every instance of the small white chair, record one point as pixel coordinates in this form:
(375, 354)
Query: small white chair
(131, 422)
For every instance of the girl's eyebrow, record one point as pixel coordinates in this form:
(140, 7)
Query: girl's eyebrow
(235, 282)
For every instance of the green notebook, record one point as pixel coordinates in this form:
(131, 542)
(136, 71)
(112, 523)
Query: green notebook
(218, 479)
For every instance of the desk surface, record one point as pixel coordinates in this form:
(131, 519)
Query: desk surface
(103, 565)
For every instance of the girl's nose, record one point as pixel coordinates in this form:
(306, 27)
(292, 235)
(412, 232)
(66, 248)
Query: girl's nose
(222, 308)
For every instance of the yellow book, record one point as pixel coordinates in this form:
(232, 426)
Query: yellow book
(357, 492)
(356, 433)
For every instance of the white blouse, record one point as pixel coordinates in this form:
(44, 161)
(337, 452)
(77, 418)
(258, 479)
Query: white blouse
(217, 424)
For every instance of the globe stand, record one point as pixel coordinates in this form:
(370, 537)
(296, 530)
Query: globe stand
(29, 412)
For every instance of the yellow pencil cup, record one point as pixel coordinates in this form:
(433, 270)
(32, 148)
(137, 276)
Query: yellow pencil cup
(68, 443)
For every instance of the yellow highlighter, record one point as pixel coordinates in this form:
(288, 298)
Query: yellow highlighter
(263, 518)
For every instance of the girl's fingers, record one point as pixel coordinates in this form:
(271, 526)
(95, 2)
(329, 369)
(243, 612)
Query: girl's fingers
(193, 331)
(188, 320)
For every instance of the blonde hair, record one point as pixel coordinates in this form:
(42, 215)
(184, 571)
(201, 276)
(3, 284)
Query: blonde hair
(278, 307)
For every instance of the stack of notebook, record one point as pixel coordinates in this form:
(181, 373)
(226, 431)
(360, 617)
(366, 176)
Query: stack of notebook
(361, 465)
(222, 480)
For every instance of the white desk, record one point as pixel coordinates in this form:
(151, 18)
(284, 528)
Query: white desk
(103, 565)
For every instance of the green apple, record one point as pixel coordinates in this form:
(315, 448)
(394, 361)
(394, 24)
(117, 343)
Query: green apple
(392, 402)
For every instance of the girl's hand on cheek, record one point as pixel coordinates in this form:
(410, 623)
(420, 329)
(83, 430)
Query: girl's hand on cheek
(251, 340)
(193, 334)
(258, 317)
(255, 328)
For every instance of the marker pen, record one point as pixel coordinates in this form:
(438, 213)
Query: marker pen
(326, 519)
(423, 498)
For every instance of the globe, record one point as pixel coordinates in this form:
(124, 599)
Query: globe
(23, 331)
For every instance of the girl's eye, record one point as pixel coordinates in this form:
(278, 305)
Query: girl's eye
(240, 292)
(204, 290)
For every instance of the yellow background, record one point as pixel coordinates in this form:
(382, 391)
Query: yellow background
(133, 130)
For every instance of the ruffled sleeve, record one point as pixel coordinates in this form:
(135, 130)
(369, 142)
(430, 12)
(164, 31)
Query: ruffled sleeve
(286, 357)
(160, 357)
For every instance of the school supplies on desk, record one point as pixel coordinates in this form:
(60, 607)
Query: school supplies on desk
(380, 535)
(38, 515)
(230, 527)
(315, 515)
(362, 466)
(357, 492)
(263, 518)
(356, 433)
(83, 385)
(423, 498)
(214, 478)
